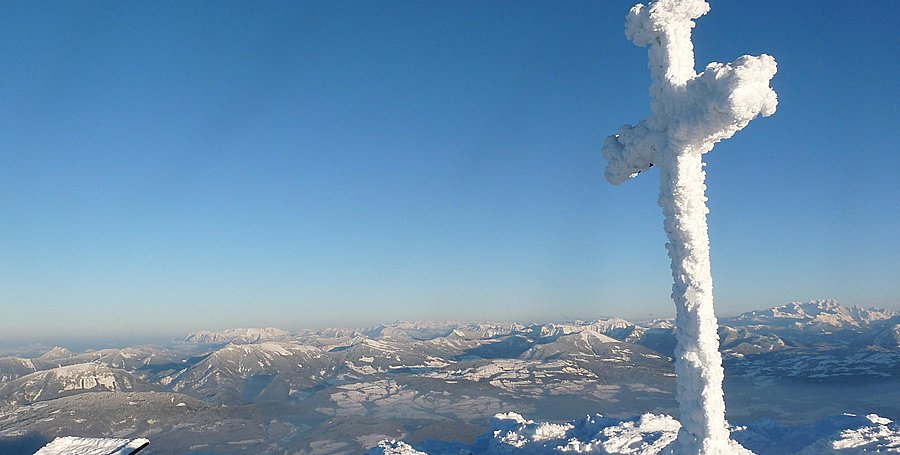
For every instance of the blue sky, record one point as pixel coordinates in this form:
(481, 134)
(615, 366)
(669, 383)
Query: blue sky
(167, 168)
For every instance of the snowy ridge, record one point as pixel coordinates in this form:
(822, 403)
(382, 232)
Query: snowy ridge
(67, 380)
(251, 335)
(826, 312)
(15, 367)
(223, 374)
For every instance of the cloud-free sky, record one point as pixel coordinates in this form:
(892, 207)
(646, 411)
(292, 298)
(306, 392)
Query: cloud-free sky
(167, 167)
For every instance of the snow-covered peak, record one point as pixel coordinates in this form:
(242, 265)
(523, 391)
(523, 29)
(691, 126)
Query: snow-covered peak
(608, 325)
(552, 330)
(266, 349)
(15, 367)
(487, 330)
(67, 380)
(871, 314)
(57, 353)
(262, 353)
(658, 324)
(248, 335)
(820, 312)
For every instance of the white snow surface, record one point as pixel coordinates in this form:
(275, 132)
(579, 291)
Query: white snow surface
(71, 445)
(691, 113)
(394, 447)
(652, 434)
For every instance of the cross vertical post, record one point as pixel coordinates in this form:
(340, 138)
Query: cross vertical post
(691, 112)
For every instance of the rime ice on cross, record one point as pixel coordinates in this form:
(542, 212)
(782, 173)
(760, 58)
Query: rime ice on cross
(691, 112)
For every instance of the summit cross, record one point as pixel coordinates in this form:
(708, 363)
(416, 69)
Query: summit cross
(691, 112)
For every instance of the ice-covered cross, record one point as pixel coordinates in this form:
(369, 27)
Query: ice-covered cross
(691, 112)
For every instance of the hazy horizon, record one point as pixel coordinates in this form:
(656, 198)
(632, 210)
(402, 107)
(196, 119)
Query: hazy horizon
(36, 344)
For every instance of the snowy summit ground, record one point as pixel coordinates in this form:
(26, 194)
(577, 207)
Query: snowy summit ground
(652, 434)
(71, 445)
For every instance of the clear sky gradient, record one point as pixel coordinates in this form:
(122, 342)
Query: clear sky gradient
(168, 167)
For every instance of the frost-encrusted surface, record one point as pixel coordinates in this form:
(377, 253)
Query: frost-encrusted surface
(71, 445)
(652, 434)
(691, 112)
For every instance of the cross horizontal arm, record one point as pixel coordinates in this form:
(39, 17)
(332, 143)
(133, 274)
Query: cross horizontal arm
(722, 100)
(630, 152)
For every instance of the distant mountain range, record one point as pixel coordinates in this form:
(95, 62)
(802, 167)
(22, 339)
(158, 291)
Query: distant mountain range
(267, 390)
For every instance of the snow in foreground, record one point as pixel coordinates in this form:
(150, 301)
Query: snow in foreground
(650, 434)
(71, 445)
